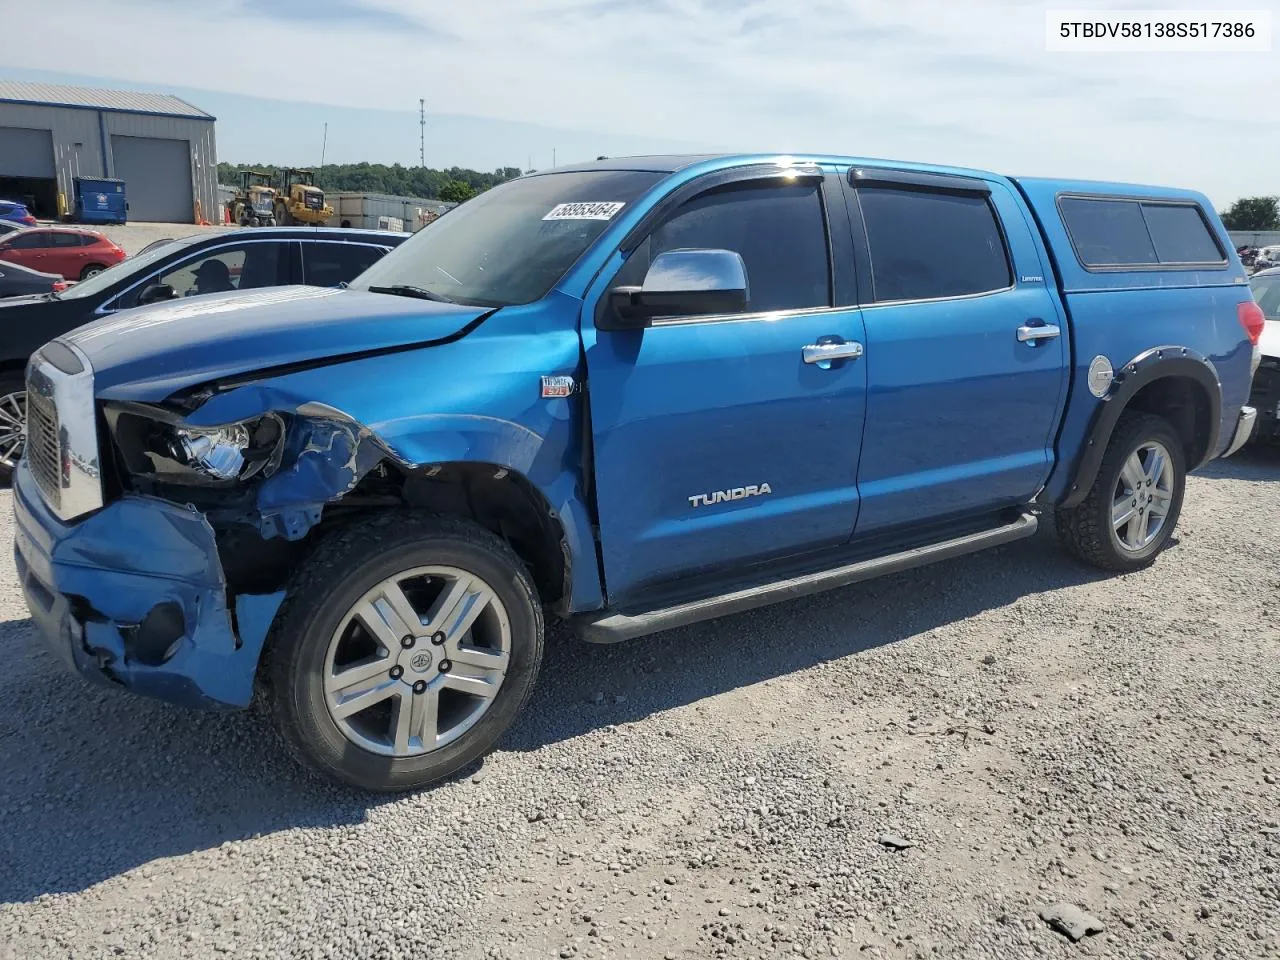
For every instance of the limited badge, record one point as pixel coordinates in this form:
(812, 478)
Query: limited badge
(558, 386)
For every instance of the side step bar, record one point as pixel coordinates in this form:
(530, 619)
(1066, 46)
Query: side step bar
(610, 627)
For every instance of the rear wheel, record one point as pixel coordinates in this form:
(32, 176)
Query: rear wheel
(13, 423)
(405, 647)
(92, 270)
(1130, 514)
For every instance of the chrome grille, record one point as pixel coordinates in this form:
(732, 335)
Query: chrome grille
(43, 451)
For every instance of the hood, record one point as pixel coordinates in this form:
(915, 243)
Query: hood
(148, 353)
(1269, 342)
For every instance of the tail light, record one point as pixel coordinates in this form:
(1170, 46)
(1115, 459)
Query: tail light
(29, 220)
(60, 285)
(1252, 319)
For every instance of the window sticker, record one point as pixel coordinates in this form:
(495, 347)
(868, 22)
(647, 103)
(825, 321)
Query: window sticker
(598, 210)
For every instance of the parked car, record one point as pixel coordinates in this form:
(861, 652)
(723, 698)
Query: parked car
(17, 280)
(639, 393)
(8, 226)
(1265, 395)
(177, 268)
(16, 212)
(70, 252)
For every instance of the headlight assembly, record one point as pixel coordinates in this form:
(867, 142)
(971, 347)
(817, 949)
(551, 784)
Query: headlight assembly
(155, 445)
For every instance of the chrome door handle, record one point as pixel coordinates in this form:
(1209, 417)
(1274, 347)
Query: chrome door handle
(1044, 331)
(826, 352)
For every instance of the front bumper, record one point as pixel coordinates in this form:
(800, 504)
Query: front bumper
(1244, 430)
(134, 594)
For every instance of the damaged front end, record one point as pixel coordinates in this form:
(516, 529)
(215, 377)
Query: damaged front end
(170, 589)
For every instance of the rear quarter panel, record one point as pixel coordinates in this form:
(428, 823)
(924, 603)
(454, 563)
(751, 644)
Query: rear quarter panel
(1119, 314)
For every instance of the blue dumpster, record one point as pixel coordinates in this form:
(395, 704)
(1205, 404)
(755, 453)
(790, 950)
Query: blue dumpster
(99, 200)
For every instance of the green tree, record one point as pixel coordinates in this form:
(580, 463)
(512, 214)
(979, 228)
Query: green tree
(382, 178)
(1253, 213)
(457, 191)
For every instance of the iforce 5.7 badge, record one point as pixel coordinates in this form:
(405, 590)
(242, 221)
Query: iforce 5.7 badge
(558, 386)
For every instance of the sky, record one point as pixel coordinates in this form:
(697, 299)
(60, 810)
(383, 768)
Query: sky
(507, 82)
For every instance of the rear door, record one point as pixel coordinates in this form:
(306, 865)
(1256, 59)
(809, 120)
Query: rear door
(966, 349)
(67, 255)
(716, 443)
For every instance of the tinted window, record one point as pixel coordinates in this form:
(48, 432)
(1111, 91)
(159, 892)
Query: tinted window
(928, 245)
(330, 264)
(513, 243)
(778, 230)
(1180, 234)
(242, 267)
(70, 240)
(1130, 233)
(30, 240)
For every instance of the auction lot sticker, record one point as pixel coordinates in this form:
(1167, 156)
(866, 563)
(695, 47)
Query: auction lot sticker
(598, 210)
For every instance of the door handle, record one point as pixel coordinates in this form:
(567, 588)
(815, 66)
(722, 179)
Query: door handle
(826, 352)
(1034, 333)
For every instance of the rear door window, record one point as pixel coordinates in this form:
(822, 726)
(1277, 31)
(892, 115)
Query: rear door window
(69, 239)
(1131, 233)
(926, 245)
(331, 264)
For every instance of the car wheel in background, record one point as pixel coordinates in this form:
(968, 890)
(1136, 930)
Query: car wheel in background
(92, 270)
(13, 424)
(404, 649)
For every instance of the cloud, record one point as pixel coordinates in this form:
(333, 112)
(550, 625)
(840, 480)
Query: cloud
(967, 82)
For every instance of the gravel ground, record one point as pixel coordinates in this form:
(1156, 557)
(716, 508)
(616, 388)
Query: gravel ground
(132, 237)
(1040, 733)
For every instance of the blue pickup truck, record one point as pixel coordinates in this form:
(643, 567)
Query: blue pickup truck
(635, 393)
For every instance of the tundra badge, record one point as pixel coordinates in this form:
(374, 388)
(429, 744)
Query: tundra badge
(724, 496)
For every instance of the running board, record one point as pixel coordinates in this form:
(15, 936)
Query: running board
(611, 627)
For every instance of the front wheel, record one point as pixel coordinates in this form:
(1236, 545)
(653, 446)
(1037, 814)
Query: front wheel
(1131, 511)
(405, 647)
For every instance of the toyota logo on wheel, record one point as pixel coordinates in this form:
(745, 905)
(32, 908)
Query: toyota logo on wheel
(421, 662)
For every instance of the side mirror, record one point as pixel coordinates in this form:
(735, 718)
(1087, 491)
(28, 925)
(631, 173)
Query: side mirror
(684, 283)
(155, 293)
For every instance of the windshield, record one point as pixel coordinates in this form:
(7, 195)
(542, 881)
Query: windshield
(513, 243)
(1266, 290)
(125, 268)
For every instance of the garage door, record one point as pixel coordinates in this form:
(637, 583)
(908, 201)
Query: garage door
(157, 178)
(26, 153)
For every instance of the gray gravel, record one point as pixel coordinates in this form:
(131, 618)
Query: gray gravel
(1042, 735)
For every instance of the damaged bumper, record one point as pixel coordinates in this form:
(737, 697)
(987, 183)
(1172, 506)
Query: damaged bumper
(134, 594)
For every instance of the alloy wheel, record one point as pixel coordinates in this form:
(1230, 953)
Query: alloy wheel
(1143, 496)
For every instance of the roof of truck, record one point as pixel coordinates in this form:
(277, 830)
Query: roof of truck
(673, 163)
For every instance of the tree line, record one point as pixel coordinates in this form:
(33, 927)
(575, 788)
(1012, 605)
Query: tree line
(1253, 213)
(453, 185)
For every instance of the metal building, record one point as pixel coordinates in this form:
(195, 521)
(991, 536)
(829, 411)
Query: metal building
(161, 146)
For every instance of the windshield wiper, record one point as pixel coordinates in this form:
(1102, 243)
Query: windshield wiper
(407, 290)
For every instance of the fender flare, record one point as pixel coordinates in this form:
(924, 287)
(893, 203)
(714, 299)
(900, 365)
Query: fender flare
(1158, 363)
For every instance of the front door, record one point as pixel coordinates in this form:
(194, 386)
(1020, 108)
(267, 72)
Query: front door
(717, 440)
(966, 350)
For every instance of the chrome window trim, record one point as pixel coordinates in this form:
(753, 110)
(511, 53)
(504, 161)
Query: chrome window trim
(73, 398)
(1141, 267)
(109, 306)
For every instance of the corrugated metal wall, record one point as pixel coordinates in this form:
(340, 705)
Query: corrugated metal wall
(82, 145)
(1254, 238)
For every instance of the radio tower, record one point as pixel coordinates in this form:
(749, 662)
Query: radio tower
(422, 133)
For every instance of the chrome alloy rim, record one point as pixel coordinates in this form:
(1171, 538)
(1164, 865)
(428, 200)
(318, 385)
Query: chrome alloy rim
(417, 661)
(13, 427)
(1143, 497)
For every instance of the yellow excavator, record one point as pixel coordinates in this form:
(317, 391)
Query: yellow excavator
(300, 200)
(254, 205)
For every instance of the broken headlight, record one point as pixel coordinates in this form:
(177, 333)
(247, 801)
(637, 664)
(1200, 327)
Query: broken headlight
(163, 448)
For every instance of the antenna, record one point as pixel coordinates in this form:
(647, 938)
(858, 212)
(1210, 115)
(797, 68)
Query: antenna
(422, 133)
(553, 158)
(324, 144)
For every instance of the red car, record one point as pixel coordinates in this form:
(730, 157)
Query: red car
(76, 254)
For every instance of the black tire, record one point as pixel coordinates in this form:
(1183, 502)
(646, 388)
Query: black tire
(1087, 530)
(345, 565)
(92, 270)
(11, 384)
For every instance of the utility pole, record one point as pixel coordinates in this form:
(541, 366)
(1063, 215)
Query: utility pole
(553, 158)
(324, 144)
(422, 133)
